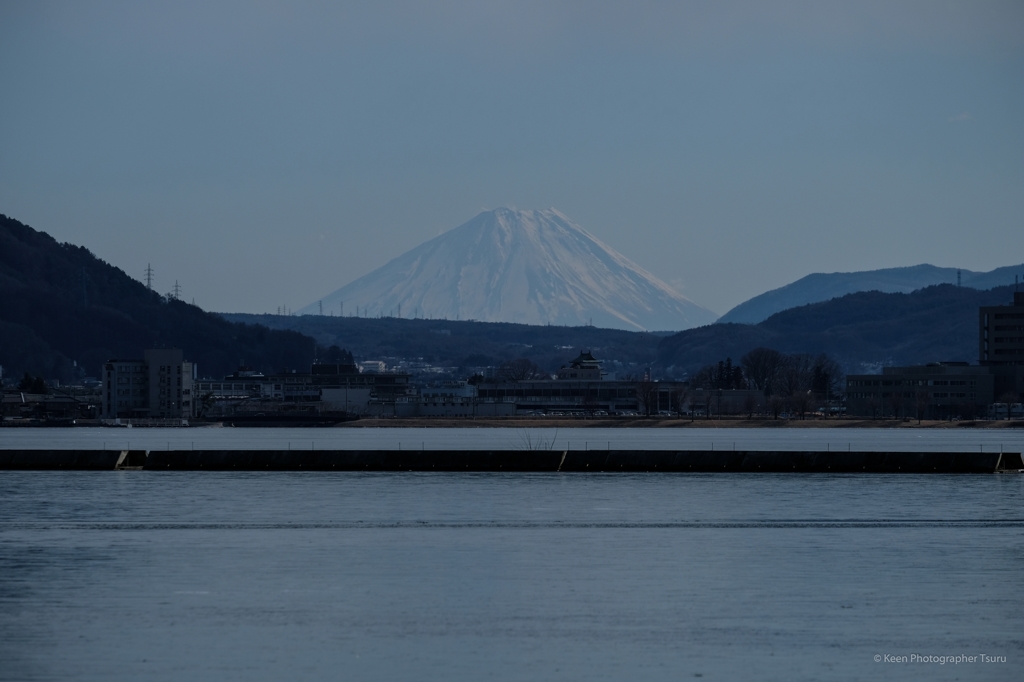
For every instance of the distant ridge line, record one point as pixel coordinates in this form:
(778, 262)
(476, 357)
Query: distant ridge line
(818, 287)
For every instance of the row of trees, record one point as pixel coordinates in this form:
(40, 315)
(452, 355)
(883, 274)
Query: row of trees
(774, 373)
(788, 382)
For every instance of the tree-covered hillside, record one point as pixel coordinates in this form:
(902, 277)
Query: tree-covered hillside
(470, 345)
(861, 330)
(60, 306)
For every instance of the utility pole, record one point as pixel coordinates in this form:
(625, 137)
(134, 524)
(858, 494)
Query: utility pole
(149, 277)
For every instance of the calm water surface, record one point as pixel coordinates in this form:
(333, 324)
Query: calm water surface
(325, 576)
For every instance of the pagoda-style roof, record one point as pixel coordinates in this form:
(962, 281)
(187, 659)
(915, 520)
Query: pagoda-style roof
(584, 359)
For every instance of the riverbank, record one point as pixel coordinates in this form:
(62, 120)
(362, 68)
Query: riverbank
(672, 423)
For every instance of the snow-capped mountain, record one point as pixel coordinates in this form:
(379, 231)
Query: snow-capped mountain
(530, 267)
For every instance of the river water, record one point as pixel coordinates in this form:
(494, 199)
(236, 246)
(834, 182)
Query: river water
(138, 575)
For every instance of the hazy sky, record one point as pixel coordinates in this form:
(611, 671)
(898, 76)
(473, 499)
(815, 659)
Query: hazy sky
(264, 154)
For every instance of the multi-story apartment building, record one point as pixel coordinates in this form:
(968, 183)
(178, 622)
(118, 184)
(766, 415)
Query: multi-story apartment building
(158, 386)
(1001, 347)
(1001, 333)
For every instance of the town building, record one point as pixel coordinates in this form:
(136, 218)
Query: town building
(1001, 333)
(326, 387)
(939, 390)
(54, 407)
(452, 399)
(1001, 347)
(159, 386)
(584, 368)
(583, 388)
(943, 390)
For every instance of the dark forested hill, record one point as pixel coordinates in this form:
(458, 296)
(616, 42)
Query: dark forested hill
(821, 287)
(470, 345)
(861, 330)
(61, 306)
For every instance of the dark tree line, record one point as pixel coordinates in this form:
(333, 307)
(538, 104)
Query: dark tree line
(334, 355)
(520, 369)
(64, 312)
(31, 384)
(794, 382)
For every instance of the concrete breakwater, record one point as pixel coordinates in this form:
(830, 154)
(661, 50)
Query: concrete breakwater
(595, 461)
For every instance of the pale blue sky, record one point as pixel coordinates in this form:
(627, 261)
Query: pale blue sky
(265, 153)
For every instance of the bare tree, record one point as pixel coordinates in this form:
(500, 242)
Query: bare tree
(704, 378)
(646, 396)
(826, 378)
(1009, 398)
(801, 402)
(793, 376)
(760, 367)
(680, 394)
(709, 396)
(521, 369)
(775, 404)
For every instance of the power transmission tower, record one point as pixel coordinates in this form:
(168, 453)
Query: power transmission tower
(321, 304)
(176, 291)
(399, 310)
(149, 277)
(342, 312)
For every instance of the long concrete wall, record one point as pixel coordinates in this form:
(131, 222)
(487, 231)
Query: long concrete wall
(518, 460)
(60, 459)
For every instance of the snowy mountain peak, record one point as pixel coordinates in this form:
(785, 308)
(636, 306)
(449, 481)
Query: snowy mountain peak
(525, 266)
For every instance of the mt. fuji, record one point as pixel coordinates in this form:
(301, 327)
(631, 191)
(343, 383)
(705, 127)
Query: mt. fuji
(529, 267)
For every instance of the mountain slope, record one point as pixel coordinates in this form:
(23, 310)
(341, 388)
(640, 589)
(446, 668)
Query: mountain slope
(465, 347)
(823, 286)
(61, 306)
(863, 331)
(530, 267)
